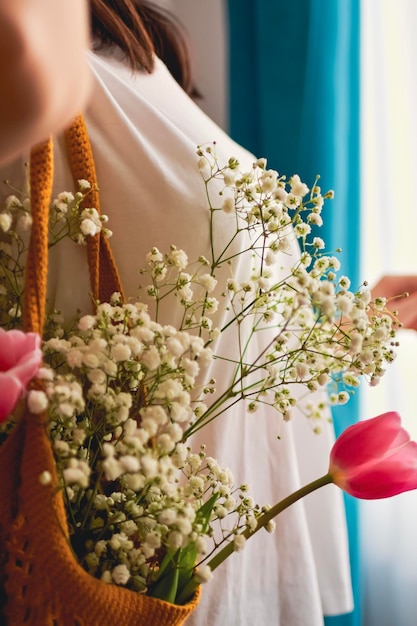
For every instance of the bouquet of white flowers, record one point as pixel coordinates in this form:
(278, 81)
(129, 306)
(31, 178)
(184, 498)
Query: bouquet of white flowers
(124, 393)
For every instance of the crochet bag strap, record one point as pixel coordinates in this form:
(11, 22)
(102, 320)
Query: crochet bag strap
(104, 276)
(40, 179)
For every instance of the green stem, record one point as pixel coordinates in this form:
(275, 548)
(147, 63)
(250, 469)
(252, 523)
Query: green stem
(188, 591)
(269, 515)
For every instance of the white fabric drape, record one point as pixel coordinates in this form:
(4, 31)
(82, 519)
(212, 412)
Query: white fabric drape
(389, 214)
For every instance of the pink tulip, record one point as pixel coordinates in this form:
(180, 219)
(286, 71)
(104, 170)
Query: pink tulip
(375, 458)
(20, 358)
(372, 459)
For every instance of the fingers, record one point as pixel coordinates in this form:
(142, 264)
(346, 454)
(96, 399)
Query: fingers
(390, 286)
(406, 309)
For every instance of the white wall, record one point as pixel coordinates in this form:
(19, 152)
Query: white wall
(389, 234)
(205, 22)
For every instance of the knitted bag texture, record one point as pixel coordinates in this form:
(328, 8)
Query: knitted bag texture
(42, 583)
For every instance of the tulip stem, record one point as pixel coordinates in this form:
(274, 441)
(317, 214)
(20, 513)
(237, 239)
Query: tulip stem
(263, 520)
(269, 515)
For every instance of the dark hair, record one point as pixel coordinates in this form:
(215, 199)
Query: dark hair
(141, 30)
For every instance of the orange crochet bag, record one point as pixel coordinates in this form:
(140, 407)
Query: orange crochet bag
(43, 585)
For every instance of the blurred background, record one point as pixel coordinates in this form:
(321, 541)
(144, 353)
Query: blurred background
(330, 87)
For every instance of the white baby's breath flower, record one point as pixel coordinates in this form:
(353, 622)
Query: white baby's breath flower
(166, 443)
(270, 258)
(66, 409)
(90, 360)
(167, 517)
(97, 376)
(220, 511)
(74, 357)
(264, 283)
(106, 577)
(129, 463)
(5, 222)
(156, 413)
(239, 542)
(270, 526)
(318, 243)
(120, 352)
(149, 465)
(343, 397)
(191, 368)
(45, 478)
(61, 447)
(66, 196)
(344, 304)
(175, 539)
(269, 181)
(203, 574)
(24, 222)
(151, 359)
(112, 468)
(302, 230)
(323, 379)
(211, 305)
(228, 205)
(75, 475)
(315, 219)
(335, 264)
(232, 285)
(37, 401)
(298, 188)
(207, 281)
(86, 322)
(84, 184)
(135, 482)
(120, 574)
(13, 202)
(203, 165)
(15, 312)
(88, 227)
(179, 258)
(153, 540)
(344, 282)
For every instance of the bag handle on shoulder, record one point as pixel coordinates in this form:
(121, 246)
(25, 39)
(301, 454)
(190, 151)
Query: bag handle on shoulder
(40, 179)
(104, 276)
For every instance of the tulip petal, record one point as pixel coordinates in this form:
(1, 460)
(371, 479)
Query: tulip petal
(27, 366)
(10, 392)
(389, 475)
(381, 482)
(20, 358)
(14, 344)
(367, 440)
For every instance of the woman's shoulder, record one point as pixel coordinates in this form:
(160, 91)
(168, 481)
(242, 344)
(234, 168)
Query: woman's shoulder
(153, 104)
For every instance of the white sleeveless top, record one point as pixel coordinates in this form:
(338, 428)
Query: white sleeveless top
(144, 131)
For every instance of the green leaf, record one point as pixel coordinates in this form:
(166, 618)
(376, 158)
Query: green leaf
(176, 571)
(187, 560)
(166, 586)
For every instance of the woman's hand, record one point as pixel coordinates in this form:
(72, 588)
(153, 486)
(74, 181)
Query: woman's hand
(394, 289)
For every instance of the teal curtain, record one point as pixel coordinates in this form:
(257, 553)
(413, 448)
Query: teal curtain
(294, 98)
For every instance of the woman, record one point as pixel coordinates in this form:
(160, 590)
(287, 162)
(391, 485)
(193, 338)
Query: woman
(144, 130)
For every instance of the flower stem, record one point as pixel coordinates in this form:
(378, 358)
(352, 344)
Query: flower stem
(269, 515)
